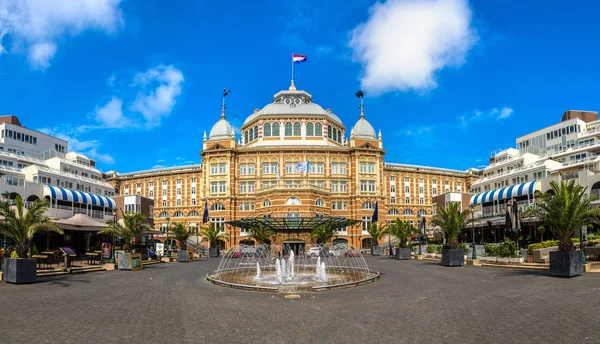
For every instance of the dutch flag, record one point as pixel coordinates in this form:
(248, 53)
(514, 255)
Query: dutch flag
(298, 58)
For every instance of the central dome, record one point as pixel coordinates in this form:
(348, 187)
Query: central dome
(293, 102)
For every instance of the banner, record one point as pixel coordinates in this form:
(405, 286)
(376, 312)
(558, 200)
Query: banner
(160, 249)
(106, 251)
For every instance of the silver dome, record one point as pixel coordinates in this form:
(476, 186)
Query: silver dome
(221, 130)
(363, 129)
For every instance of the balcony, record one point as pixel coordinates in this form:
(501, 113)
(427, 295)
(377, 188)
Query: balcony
(303, 187)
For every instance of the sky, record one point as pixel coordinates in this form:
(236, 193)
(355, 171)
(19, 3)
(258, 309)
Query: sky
(134, 84)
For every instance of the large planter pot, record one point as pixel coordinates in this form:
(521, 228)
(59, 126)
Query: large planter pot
(213, 252)
(376, 250)
(518, 260)
(402, 253)
(491, 259)
(183, 256)
(453, 257)
(503, 260)
(19, 270)
(566, 264)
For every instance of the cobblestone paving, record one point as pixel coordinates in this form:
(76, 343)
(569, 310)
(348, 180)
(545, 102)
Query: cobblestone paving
(414, 302)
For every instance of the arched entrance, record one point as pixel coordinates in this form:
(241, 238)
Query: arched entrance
(295, 245)
(595, 191)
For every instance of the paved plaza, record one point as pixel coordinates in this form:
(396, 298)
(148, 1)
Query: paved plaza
(413, 302)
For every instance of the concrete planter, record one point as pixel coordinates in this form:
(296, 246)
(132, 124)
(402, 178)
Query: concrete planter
(376, 250)
(453, 257)
(402, 253)
(489, 259)
(503, 260)
(19, 270)
(213, 252)
(566, 264)
(517, 260)
(183, 256)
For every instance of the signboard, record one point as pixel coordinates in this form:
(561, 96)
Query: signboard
(67, 250)
(106, 251)
(160, 249)
(136, 261)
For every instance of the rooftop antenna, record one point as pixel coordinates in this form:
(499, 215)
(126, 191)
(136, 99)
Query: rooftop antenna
(360, 95)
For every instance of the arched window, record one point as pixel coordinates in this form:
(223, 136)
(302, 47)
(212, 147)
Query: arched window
(275, 129)
(297, 130)
(178, 214)
(256, 132)
(293, 201)
(320, 203)
(368, 205)
(163, 214)
(329, 131)
(267, 203)
(408, 212)
(318, 129)
(217, 206)
(393, 212)
(339, 140)
(288, 129)
(422, 212)
(309, 129)
(334, 130)
(245, 137)
(193, 213)
(267, 130)
(251, 134)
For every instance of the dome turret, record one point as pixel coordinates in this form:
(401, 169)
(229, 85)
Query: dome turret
(222, 130)
(363, 129)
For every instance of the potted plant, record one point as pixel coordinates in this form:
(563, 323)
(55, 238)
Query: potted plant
(126, 228)
(181, 232)
(541, 229)
(402, 231)
(377, 232)
(20, 225)
(452, 220)
(212, 235)
(564, 210)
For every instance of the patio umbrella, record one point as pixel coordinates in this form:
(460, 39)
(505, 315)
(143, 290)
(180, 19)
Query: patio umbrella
(508, 225)
(516, 224)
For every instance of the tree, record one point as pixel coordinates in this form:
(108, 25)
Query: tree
(565, 210)
(260, 233)
(22, 224)
(377, 232)
(452, 220)
(401, 230)
(127, 228)
(212, 234)
(181, 232)
(323, 234)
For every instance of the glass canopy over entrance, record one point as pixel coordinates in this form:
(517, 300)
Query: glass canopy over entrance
(293, 224)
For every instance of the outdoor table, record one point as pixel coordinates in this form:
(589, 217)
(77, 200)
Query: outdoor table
(91, 257)
(53, 256)
(40, 259)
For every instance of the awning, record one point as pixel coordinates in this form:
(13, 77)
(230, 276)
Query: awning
(506, 192)
(78, 197)
(80, 222)
(293, 224)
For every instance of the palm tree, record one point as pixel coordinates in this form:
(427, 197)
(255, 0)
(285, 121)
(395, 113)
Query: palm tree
(565, 210)
(22, 224)
(260, 233)
(212, 234)
(452, 220)
(377, 232)
(181, 232)
(401, 230)
(127, 228)
(323, 234)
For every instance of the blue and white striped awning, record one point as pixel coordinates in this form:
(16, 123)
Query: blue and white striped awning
(78, 197)
(506, 192)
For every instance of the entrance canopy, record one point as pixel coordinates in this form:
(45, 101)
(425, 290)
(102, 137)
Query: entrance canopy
(506, 192)
(296, 224)
(78, 197)
(80, 222)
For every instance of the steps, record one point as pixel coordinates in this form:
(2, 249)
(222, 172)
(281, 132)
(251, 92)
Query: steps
(62, 272)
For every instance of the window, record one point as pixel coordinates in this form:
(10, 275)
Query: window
(320, 203)
(179, 191)
(164, 203)
(193, 190)
(297, 129)
(288, 129)
(310, 129)
(393, 200)
(251, 134)
(164, 192)
(251, 169)
(217, 206)
(275, 129)
(214, 188)
(247, 187)
(164, 183)
(343, 186)
(421, 190)
(163, 214)
(434, 191)
(222, 168)
(408, 212)
(243, 169)
(421, 200)
(246, 137)
(318, 129)
(256, 132)
(329, 131)
(193, 213)
(222, 187)
(363, 167)
(151, 194)
(246, 206)
(293, 201)
(214, 169)
(407, 189)
(269, 167)
(363, 185)
(459, 186)
(267, 129)
(371, 167)
(371, 186)
(219, 223)
(267, 203)
(407, 200)
(316, 167)
(151, 184)
(335, 186)
(393, 212)
(193, 201)
(422, 212)
(368, 205)
(178, 202)
(289, 167)
(366, 220)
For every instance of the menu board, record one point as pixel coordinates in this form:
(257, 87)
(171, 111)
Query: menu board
(67, 250)
(106, 251)
(160, 249)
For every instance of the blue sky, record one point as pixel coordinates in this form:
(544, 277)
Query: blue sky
(134, 84)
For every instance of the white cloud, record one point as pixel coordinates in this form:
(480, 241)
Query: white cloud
(160, 160)
(104, 158)
(36, 25)
(405, 42)
(415, 131)
(111, 114)
(158, 166)
(85, 147)
(478, 115)
(179, 158)
(160, 87)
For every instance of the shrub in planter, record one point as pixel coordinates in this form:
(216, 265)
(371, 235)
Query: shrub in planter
(563, 211)
(533, 247)
(181, 232)
(430, 249)
(377, 232)
(212, 235)
(451, 219)
(402, 231)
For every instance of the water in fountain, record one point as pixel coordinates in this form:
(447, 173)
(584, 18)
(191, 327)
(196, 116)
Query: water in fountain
(272, 267)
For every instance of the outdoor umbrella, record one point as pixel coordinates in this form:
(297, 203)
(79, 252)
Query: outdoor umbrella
(508, 226)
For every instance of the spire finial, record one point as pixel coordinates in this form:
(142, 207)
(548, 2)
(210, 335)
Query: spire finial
(292, 86)
(380, 134)
(204, 135)
(225, 93)
(360, 95)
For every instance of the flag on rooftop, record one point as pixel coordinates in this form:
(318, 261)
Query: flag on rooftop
(298, 58)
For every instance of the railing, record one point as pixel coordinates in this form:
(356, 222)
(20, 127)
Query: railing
(303, 186)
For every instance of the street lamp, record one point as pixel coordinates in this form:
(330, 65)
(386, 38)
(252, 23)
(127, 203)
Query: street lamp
(474, 256)
(581, 244)
(112, 253)
(167, 246)
(419, 231)
(5, 196)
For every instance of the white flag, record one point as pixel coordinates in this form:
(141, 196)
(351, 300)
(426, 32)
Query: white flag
(301, 167)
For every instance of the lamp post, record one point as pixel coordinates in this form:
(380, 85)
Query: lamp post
(167, 246)
(474, 256)
(5, 196)
(419, 232)
(112, 253)
(581, 244)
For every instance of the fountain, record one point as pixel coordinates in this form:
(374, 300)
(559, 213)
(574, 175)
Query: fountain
(267, 268)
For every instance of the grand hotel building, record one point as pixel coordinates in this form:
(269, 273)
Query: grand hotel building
(256, 175)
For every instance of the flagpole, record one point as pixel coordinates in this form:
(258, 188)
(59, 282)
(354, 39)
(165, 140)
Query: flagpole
(292, 69)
